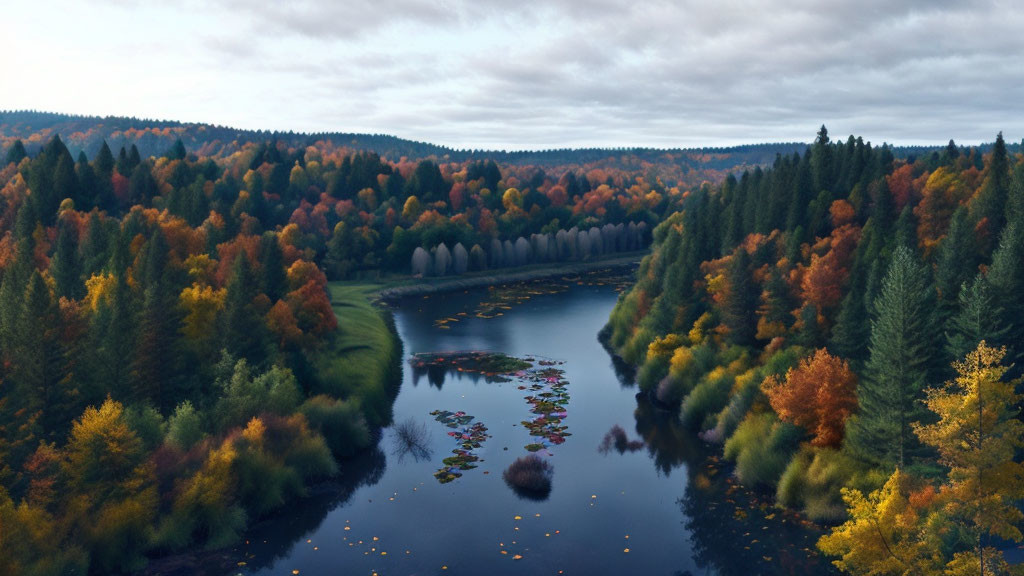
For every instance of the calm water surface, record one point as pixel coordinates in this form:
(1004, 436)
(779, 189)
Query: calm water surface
(666, 507)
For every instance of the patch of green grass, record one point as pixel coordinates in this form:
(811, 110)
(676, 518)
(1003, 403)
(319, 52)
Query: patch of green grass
(362, 363)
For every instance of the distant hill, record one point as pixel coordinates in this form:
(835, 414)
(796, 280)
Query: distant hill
(155, 137)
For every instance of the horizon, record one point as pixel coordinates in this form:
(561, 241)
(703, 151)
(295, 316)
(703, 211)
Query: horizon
(560, 75)
(833, 136)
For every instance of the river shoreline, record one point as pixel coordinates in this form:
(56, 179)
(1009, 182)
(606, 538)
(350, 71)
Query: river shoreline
(390, 290)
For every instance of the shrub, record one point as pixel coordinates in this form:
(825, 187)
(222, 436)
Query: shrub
(709, 398)
(341, 424)
(530, 477)
(813, 480)
(745, 392)
(147, 423)
(184, 427)
(761, 448)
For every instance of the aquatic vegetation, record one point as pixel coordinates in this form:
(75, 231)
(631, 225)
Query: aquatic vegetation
(530, 476)
(468, 436)
(504, 297)
(548, 403)
(493, 366)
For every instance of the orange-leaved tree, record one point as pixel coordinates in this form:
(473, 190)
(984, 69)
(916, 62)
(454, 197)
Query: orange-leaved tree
(818, 395)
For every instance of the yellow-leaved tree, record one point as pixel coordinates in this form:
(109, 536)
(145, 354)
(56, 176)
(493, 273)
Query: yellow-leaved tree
(977, 438)
(887, 532)
(900, 530)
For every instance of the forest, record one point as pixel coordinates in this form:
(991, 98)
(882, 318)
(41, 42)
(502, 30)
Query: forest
(847, 325)
(173, 367)
(844, 321)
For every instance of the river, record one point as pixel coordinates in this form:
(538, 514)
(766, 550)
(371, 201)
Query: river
(657, 501)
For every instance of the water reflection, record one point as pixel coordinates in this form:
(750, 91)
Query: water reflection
(617, 440)
(695, 521)
(411, 439)
(734, 532)
(670, 444)
(274, 539)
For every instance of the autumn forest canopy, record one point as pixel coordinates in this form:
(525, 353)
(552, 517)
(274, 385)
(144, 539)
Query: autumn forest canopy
(849, 326)
(844, 319)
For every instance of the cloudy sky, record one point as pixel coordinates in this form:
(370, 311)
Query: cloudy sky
(524, 74)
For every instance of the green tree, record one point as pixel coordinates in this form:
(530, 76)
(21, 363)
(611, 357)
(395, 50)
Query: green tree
(243, 331)
(273, 280)
(66, 266)
(897, 368)
(979, 318)
(956, 264)
(989, 207)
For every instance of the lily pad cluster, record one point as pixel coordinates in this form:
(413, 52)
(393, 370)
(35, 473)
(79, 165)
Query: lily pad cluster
(548, 400)
(468, 436)
(493, 366)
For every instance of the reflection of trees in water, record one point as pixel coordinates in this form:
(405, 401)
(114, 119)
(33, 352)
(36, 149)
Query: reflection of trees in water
(274, 538)
(624, 371)
(731, 531)
(411, 439)
(669, 443)
(436, 375)
(616, 439)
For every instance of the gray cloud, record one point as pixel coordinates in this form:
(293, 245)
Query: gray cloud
(496, 73)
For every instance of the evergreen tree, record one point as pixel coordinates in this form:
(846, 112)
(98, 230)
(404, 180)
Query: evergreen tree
(851, 332)
(740, 308)
(906, 230)
(897, 369)
(103, 166)
(16, 153)
(243, 329)
(990, 205)
(87, 184)
(810, 335)
(956, 264)
(978, 318)
(1006, 277)
(273, 280)
(66, 267)
(37, 348)
(822, 161)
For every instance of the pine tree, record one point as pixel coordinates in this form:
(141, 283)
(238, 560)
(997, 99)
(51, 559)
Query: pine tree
(16, 153)
(36, 346)
(243, 329)
(1006, 277)
(65, 266)
(273, 280)
(740, 307)
(87, 184)
(822, 161)
(103, 165)
(979, 317)
(956, 264)
(898, 366)
(990, 205)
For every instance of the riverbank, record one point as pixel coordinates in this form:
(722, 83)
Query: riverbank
(366, 355)
(393, 288)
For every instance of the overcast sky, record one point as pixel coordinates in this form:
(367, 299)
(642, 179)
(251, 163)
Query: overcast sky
(523, 74)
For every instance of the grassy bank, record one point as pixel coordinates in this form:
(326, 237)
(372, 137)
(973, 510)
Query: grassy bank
(387, 288)
(365, 363)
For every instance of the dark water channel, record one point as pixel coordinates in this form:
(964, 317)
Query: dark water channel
(653, 500)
